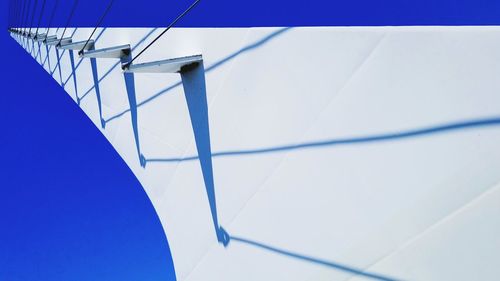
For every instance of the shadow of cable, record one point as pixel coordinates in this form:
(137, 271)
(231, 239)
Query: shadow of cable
(48, 49)
(335, 265)
(81, 59)
(420, 132)
(118, 63)
(59, 57)
(209, 68)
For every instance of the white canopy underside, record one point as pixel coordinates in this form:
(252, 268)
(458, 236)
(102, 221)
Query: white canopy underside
(292, 114)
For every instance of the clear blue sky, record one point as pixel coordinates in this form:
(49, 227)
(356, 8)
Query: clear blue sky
(70, 208)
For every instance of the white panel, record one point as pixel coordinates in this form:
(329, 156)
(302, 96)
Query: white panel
(371, 148)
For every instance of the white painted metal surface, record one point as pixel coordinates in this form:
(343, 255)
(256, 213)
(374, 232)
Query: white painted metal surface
(164, 66)
(111, 52)
(76, 46)
(65, 40)
(311, 133)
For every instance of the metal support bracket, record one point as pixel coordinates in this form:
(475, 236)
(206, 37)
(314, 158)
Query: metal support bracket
(110, 53)
(49, 39)
(77, 45)
(66, 40)
(175, 65)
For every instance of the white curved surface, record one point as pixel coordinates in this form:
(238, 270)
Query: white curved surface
(419, 208)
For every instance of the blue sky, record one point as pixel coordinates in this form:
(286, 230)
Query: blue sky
(70, 208)
(230, 13)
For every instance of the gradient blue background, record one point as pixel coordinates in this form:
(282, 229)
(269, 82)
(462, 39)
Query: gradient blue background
(70, 209)
(231, 13)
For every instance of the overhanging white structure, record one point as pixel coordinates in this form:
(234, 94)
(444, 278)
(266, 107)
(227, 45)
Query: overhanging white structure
(325, 153)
